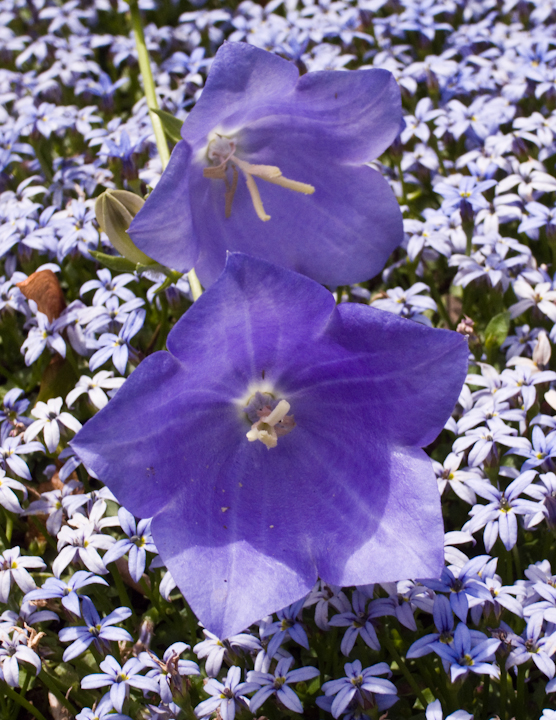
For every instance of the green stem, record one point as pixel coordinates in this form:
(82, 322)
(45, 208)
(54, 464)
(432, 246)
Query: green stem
(404, 188)
(17, 698)
(195, 285)
(468, 228)
(509, 569)
(43, 162)
(520, 692)
(403, 667)
(3, 537)
(517, 561)
(9, 526)
(503, 693)
(148, 82)
(55, 690)
(152, 102)
(122, 592)
(486, 695)
(430, 677)
(440, 305)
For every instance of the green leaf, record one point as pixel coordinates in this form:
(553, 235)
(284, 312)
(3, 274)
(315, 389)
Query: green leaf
(497, 331)
(172, 125)
(114, 262)
(57, 380)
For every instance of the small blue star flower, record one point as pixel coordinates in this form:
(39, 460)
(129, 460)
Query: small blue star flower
(138, 542)
(96, 631)
(278, 684)
(361, 688)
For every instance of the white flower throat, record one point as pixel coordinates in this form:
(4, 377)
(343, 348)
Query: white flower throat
(221, 152)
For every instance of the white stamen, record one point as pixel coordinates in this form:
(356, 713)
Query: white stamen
(265, 428)
(222, 151)
(279, 413)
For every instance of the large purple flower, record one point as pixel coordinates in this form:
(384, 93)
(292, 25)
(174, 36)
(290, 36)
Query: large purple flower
(279, 440)
(273, 165)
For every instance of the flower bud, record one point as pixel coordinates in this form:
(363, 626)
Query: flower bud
(115, 209)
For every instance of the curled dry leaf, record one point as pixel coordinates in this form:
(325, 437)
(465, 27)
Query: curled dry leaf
(44, 288)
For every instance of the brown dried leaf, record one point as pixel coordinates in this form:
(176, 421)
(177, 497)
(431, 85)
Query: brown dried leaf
(44, 288)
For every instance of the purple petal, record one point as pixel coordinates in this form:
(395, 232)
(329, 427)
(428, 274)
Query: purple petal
(179, 246)
(347, 494)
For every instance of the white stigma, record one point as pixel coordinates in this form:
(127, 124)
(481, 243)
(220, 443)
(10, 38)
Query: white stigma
(272, 424)
(221, 152)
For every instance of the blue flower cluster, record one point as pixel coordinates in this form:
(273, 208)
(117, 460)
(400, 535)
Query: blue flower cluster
(93, 622)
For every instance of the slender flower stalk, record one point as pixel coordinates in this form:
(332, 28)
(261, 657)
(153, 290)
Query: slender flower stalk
(152, 102)
(148, 82)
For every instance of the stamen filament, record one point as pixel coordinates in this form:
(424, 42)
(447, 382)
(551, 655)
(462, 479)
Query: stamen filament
(292, 185)
(223, 149)
(255, 197)
(215, 173)
(230, 192)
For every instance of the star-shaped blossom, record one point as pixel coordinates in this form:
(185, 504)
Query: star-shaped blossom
(358, 622)
(10, 450)
(361, 687)
(66, 590)
(449, 474)
(45, 334)
(484, 439)
(117, 346)
(215, 650)
(52, 504)
(138, 542)
(273, 165)
(540, 450)
(97, 631)
(94, 387)
(292, 451)
(278, 684)
(462, 583)
(50, 420)
(499, 516)
(168, 671)
(81, 543)
(324, 596)
(103, 711)
(461, 657)
(119, 679)
(287, 625)
(531, 646)
(466, 192)
(227, 696)
(11, 412)
(13, 650)
(107, 287)
(13, 566)
(542, 296)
